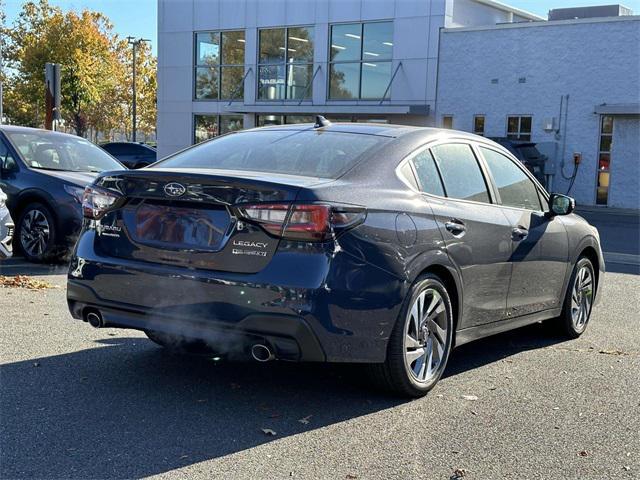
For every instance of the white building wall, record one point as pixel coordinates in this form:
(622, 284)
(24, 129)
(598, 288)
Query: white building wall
(625, 164)
(594, 61)
(417, 25)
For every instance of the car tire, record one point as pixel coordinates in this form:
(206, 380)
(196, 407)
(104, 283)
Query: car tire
(410, 368)
(36, 235)
(179, 344)
(578, 300)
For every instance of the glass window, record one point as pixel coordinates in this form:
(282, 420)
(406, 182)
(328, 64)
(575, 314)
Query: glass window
(233, 48)
(460, 172)
(378, 39)
(219, 65)
(407, 173)
(300, 44)
(272, 45)
(231, 84)
(344, 81)
(519, 128)
(360, 60)
(515, 187)
(447, 121)
(266, 120)
(271, 80)
(346, 42)
(207, 48)
(375, 78)
(286, 63)
(7, 161)
(428, 173)
(308, 153)
(604, 159)
(209, 126)
(478, 125)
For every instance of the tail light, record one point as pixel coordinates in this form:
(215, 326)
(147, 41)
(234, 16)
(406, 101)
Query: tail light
(97, 201)
(306, 222)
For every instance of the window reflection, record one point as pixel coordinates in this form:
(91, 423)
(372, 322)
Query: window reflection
(286, 63)
(360, 57)
(219, 65)
(209, 126)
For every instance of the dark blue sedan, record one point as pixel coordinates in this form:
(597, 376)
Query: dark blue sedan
(378, 244)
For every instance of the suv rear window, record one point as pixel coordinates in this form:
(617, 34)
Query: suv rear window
(312, 153)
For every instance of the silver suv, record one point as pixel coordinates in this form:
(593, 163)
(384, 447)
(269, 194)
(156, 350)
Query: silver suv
(6, 228)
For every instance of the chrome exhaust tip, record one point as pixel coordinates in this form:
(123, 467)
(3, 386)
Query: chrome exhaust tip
(262, 353)
(94, 319)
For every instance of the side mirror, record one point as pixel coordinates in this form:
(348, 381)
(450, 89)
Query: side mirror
(7, 165)
(561, 204)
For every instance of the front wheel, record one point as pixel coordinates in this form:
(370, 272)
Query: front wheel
(36, 233)
(578, 301)
(421, 340)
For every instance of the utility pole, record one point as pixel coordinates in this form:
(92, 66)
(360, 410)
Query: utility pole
(134, 42)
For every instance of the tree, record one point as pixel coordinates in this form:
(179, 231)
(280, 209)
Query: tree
(96, 86)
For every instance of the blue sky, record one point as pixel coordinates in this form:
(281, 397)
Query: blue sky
(139, 17)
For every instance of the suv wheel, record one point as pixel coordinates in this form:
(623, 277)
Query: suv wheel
(421, 340)
(36, 233)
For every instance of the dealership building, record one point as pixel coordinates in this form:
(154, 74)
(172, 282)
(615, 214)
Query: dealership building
(570, 84)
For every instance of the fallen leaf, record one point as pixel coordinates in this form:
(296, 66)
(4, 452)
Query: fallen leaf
(24, 281)
(474, 413)
(269, 432)
(305, 420)
(556, 408)
(611, 352)
(471, 398)
(583, 453)
(626, 468)
(350, 476)
(458, 473)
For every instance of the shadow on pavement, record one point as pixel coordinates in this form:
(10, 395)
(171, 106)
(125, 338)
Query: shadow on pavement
(19, 266)
(127, 409)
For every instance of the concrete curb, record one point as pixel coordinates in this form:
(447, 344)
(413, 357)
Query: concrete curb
(622, 258)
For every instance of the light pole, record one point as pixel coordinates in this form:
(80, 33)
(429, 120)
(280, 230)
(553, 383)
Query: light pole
(134, 42)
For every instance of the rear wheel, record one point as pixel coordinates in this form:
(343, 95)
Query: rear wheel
(578, 301)
(36, 233)
(421, 341)
(179, 344)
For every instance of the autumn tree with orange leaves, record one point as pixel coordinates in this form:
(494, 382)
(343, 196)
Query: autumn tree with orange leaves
(96, 86)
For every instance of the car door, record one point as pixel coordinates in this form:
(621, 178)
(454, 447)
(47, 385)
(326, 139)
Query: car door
(8, 173)
(477, 235)
(540, 246)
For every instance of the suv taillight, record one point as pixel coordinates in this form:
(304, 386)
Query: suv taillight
(305, 222)
(97, 201)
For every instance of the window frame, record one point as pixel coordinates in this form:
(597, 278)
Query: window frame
(442, 122)
(519, 116)
(493, 199)
(219, 66)
(544, 199)
(599, 151)
(360, 62)
(219, 123)
(285, 64)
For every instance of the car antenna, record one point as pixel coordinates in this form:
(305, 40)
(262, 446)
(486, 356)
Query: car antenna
(321, 122)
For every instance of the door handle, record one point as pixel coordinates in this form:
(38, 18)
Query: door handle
(519, 233)
(456, 227)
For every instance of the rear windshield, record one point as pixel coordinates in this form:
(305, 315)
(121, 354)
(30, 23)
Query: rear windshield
(312, 153)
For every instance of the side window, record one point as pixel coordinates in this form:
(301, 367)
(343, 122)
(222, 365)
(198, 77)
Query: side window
(6, 159)
(461, 172)
(515, 187)
(427, 173)
(407, 173)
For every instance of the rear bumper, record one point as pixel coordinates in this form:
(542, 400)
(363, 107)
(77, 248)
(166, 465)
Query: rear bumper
(311, 306)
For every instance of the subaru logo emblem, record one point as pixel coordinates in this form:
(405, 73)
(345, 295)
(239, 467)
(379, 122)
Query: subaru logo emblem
(174, 189)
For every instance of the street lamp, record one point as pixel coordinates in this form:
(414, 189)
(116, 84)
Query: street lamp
(135, 42)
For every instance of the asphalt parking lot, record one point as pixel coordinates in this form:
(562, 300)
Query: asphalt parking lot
(77, 402)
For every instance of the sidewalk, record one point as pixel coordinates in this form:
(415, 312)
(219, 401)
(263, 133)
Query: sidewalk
(619, 233)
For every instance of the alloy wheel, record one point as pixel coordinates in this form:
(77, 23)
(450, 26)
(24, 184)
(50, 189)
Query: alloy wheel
(425, 338)
(582, 297)
(35, 233)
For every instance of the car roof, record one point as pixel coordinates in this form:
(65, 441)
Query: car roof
(27, 130)
(379, 129)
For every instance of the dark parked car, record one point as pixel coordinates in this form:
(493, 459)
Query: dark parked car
(44, 174)
(131, 154)
(528, 154)
(379, 244)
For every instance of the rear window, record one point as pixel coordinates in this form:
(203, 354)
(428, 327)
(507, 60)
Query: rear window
(312, 153)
